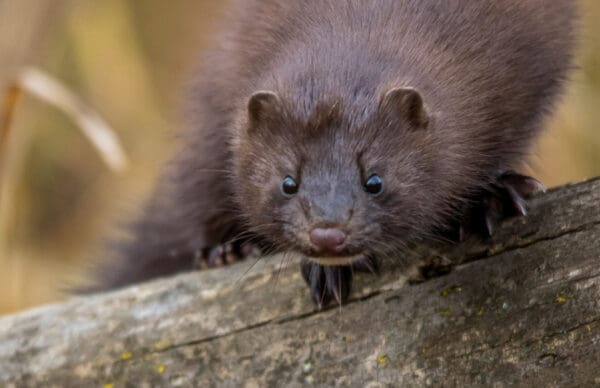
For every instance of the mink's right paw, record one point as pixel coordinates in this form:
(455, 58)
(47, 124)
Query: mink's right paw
(223, 254)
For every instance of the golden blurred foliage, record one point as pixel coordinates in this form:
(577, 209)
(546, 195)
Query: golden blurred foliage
(570, 149)
(129, 60)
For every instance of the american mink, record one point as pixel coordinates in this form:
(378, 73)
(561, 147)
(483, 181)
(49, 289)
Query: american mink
(345, 130)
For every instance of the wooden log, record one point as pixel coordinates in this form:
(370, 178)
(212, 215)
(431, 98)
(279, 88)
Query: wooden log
(522, 308)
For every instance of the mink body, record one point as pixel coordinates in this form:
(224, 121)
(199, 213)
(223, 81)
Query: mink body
(438, 99)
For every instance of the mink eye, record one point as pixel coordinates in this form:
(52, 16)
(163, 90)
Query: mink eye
(374, 185)
(289, 186)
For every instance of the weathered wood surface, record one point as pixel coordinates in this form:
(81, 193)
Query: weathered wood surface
(523, 308)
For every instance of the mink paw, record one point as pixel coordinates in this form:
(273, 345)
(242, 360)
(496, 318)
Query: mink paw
(505, 198)
(329, 283)
(223, 254)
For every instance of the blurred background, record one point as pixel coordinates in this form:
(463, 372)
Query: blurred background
(128, 60)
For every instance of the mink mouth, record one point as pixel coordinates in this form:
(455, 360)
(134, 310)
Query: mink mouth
(347, 256)
(335, 260)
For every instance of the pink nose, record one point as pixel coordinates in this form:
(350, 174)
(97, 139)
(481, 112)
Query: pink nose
(328, 239)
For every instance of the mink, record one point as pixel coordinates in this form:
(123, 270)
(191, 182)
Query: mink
(344, 131)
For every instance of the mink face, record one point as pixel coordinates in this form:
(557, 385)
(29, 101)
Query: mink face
(328, 171)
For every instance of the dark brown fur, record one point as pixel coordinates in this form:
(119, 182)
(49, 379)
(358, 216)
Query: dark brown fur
(487, 72)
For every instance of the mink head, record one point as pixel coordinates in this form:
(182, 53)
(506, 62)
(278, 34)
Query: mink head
(336, 182)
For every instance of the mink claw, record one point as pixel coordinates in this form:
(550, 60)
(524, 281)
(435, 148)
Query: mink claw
(317, 283)
(231, 254)
(339, 281)
(222, 254)
(517, 201)
(489, 225)
(216, 256)
(493, 214)
(327, 283)
(522, 184)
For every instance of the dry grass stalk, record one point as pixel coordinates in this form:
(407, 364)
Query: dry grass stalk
(98, 132)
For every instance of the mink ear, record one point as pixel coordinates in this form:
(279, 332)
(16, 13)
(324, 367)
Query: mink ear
(408, 103)
(261, 106)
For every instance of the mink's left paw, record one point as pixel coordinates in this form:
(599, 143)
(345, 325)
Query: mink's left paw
(505, 198)
(328, 283)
